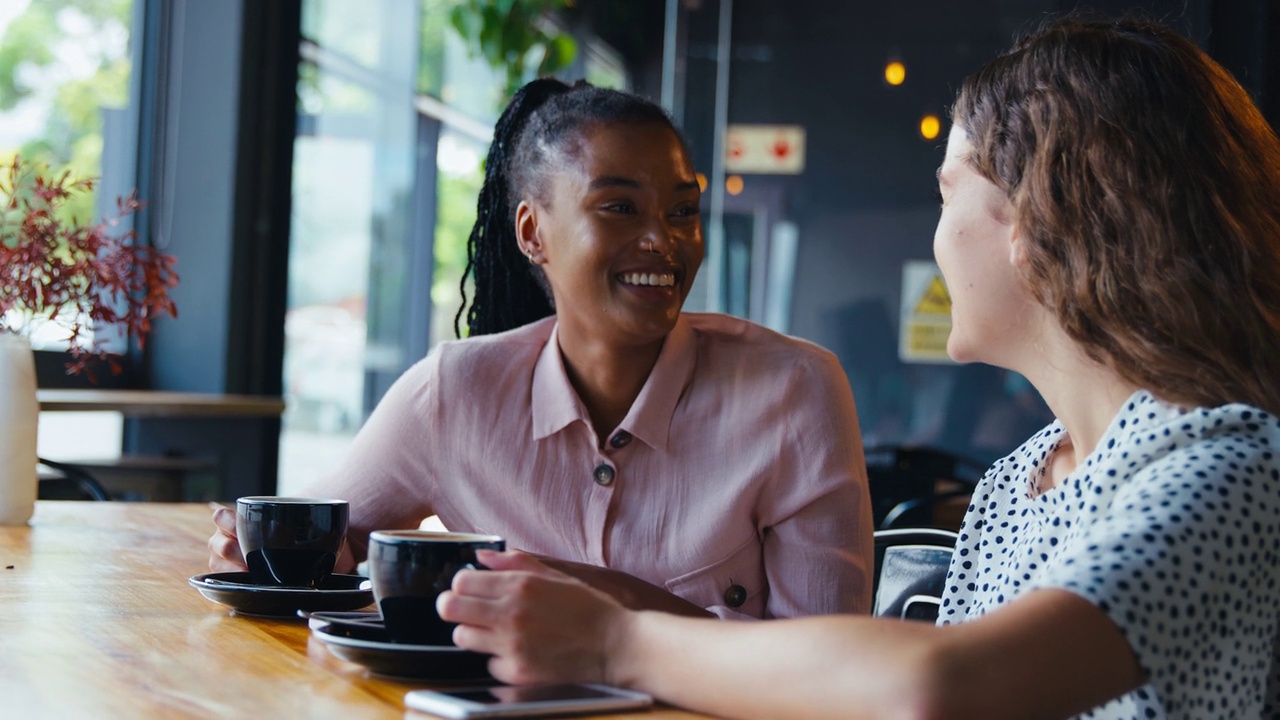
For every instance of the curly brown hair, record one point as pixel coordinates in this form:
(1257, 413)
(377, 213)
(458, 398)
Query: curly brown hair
(1147, 186)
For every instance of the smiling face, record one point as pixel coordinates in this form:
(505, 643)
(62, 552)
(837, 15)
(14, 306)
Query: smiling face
(978, 250)
(616, 229)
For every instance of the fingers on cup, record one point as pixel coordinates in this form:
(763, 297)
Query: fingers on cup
(478, 583)
(468, 610)
(224, 554)
(225, 520)
(476, 639)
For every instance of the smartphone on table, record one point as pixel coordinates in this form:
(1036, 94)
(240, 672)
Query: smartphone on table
(525, 701)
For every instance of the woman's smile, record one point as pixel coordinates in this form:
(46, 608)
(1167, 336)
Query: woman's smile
(652, 279)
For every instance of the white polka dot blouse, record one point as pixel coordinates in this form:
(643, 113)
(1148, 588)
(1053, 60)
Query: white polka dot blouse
(1171, 526)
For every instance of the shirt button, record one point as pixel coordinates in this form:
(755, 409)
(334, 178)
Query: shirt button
(735, 596)
(621, 439)
(604, 474)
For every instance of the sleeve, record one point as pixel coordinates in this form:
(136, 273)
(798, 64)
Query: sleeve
(816, 512)
(384, 475)
(1186, 563)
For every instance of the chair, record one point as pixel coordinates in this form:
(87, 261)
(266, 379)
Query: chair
(911, 571)
(68, 482)
(904, 483)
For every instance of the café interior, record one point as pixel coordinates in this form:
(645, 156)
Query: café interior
(313, 167)
(314, 172)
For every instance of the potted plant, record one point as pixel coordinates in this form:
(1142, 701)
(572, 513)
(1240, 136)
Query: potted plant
(85, 278)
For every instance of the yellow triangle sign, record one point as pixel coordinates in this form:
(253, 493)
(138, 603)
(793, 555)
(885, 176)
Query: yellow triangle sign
(936, 300)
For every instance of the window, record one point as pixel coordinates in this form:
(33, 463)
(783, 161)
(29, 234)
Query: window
(68, 100)
(395, 118)
(67, 93)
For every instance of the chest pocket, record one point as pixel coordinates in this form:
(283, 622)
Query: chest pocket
(735, 583)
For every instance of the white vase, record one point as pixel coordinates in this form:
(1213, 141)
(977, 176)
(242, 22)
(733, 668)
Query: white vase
(19, 417)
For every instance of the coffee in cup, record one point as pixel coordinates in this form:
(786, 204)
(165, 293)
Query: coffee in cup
(410, 568)
(290, 541)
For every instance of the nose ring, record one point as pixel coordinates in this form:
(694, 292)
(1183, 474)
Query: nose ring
(649, 246)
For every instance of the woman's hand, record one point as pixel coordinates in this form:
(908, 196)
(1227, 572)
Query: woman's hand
(224, 548)
(539, 624)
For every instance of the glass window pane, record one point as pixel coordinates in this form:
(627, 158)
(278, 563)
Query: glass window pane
(325, 329)
(328, 288)
(351, 29)
(435, 26)
(65, 84)
(470, 84)
(458, 162)
(603, 67)
(332, 101)
(353, 174)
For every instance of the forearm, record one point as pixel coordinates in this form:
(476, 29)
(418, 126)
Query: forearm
(1049, 654)
(839, 667)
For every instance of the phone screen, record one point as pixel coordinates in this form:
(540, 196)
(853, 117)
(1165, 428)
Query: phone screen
(532, 693)
(527, 701)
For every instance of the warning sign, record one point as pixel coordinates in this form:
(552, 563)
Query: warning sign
(770, 149)
(926, 314)
(936, 300)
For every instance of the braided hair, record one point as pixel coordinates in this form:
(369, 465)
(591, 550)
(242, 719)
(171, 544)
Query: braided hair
(540, 120)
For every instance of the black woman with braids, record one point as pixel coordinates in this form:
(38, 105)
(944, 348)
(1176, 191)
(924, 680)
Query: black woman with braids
(686, 462)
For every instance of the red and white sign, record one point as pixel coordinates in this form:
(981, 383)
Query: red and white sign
(764, 149)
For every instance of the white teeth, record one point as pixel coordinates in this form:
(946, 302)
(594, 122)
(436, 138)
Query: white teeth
(653, 279)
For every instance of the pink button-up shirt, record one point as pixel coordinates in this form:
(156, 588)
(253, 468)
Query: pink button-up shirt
(736, 481)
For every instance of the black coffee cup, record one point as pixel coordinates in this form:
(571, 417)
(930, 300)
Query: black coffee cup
(291, 541)
(410, 568)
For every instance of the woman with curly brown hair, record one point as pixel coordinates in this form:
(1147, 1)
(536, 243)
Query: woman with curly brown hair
(1110, 229)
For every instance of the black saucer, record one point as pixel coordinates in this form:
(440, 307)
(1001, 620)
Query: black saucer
(360, 638)
(237, 591)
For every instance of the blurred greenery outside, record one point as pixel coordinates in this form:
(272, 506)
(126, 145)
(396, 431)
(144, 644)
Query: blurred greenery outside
(474, 76)
(65, 60)
(33, 71)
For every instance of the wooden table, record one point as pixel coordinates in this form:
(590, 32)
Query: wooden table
(159, 403)
(97, 620)
(209, 466)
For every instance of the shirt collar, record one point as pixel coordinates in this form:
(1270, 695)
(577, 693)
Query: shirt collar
(556, 404)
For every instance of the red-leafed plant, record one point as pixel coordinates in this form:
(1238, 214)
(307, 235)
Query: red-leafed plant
(82, 277)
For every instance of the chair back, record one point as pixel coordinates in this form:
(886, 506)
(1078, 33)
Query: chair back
(904, 482)
(911, 572)
(65, 481)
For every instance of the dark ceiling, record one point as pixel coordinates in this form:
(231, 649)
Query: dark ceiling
(819, 63)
